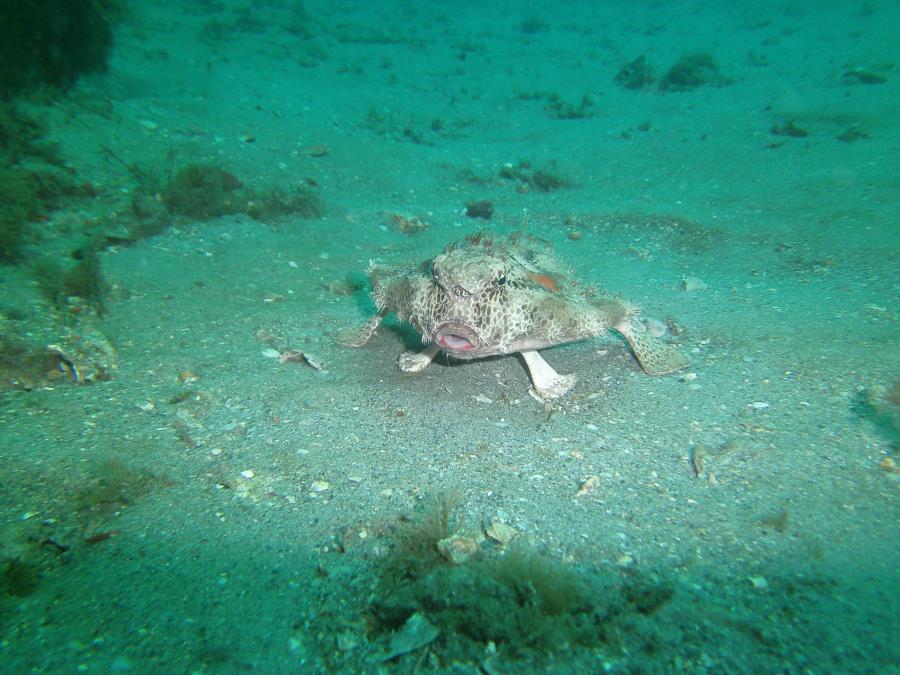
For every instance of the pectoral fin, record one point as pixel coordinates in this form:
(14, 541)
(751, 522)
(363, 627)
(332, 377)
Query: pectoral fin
(357, 336)
(655, 356)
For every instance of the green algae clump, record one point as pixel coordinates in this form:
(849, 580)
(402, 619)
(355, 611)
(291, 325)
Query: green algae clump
(692, 71)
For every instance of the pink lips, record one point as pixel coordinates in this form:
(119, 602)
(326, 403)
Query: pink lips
(456, 338)
(454, 343)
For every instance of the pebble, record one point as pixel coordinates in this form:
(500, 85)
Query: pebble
(588, 486)
(655, 327)
(317, 150)
(501, 532)
(121, 664)
(625, 560)
(457, 548)
(690, 284)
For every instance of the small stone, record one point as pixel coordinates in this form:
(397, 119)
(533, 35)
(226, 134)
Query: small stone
(625, 560)
(317, 150)
(342, 287)
(346, 640)
(406, 224)
(691, 284)
(501, 532)
(416, 633)
(248, 473)
(480, 209)
(889, 465)
(588, 486)
(759, 582)
(320, 485)
(458, 548)
(655, 327)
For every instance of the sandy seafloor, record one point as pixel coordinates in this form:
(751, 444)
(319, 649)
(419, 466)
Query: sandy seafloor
(262, 495)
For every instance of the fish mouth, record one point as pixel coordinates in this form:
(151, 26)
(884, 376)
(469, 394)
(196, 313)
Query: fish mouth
(457, 338)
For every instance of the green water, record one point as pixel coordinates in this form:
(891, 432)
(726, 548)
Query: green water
(196, 476)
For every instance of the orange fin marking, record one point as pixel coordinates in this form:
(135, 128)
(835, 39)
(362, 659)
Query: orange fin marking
(545, 280)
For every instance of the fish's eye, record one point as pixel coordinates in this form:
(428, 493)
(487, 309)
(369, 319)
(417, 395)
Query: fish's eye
(460, 292)
(501, 280)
